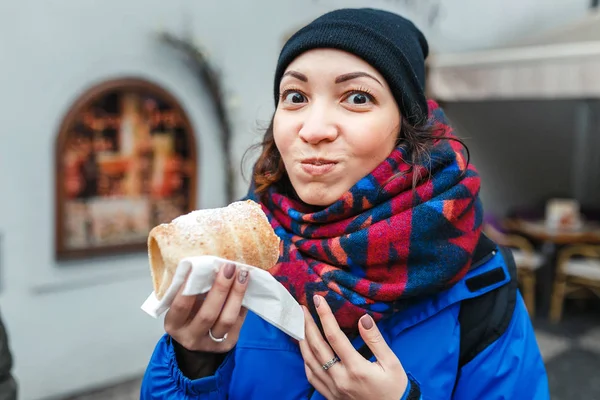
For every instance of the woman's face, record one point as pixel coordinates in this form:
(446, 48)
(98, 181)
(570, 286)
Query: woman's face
(335, 122)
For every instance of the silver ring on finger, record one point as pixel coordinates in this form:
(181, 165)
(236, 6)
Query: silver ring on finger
(330, 363)
(215, 339)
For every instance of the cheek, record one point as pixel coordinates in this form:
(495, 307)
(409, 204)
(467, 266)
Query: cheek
(284, 133)
(373, 139)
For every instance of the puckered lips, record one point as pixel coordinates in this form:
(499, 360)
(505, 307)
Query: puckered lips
(317, 166)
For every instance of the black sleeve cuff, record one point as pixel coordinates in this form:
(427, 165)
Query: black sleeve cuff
(415, 391)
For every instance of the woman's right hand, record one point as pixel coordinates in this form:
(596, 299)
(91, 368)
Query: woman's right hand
(190, 317)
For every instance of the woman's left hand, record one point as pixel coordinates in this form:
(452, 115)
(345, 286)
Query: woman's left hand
(353, 376)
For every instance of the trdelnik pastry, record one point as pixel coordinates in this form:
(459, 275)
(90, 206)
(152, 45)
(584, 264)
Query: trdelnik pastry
(239, 232)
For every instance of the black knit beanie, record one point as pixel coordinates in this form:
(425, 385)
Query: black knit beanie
(390, 43)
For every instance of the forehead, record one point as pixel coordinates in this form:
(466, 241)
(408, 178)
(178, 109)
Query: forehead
(330, 62)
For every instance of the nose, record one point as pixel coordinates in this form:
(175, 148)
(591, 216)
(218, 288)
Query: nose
(318, 126)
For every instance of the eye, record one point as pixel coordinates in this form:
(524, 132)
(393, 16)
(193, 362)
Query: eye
(359, 98)
(293, 97)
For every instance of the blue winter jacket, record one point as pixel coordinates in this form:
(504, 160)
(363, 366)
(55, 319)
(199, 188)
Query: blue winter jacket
(267, 364)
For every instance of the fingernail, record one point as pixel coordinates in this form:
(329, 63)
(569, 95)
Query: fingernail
(367, 321)
(229, 271)
(316, 300)
(242, 276)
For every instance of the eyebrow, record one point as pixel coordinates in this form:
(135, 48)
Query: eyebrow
(339, 79)
(354, 75)
(296, 75)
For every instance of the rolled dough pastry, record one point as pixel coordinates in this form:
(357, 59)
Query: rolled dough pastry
(239, 232)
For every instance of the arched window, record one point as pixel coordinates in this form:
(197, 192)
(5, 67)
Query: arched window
(125, 162)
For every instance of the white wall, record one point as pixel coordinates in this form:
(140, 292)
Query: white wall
(78, 325)
(475, 24)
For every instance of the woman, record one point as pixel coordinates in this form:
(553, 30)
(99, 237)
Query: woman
(378, 211)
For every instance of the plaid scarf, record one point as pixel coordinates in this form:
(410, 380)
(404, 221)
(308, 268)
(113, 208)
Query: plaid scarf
(385, 241)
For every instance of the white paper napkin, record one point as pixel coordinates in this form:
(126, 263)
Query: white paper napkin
(265, 296)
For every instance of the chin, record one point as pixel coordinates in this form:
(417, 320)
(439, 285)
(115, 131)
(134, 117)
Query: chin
(320, 198)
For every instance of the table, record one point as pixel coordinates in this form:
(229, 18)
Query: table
(552, 240)
(588, 233)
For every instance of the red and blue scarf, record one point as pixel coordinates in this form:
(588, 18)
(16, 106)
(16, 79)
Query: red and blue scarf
(386, 241)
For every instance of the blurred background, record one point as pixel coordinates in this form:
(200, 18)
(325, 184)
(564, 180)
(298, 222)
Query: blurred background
(119, 115)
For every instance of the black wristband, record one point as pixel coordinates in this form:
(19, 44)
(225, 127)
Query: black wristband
(197, 364)
(415, 390)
